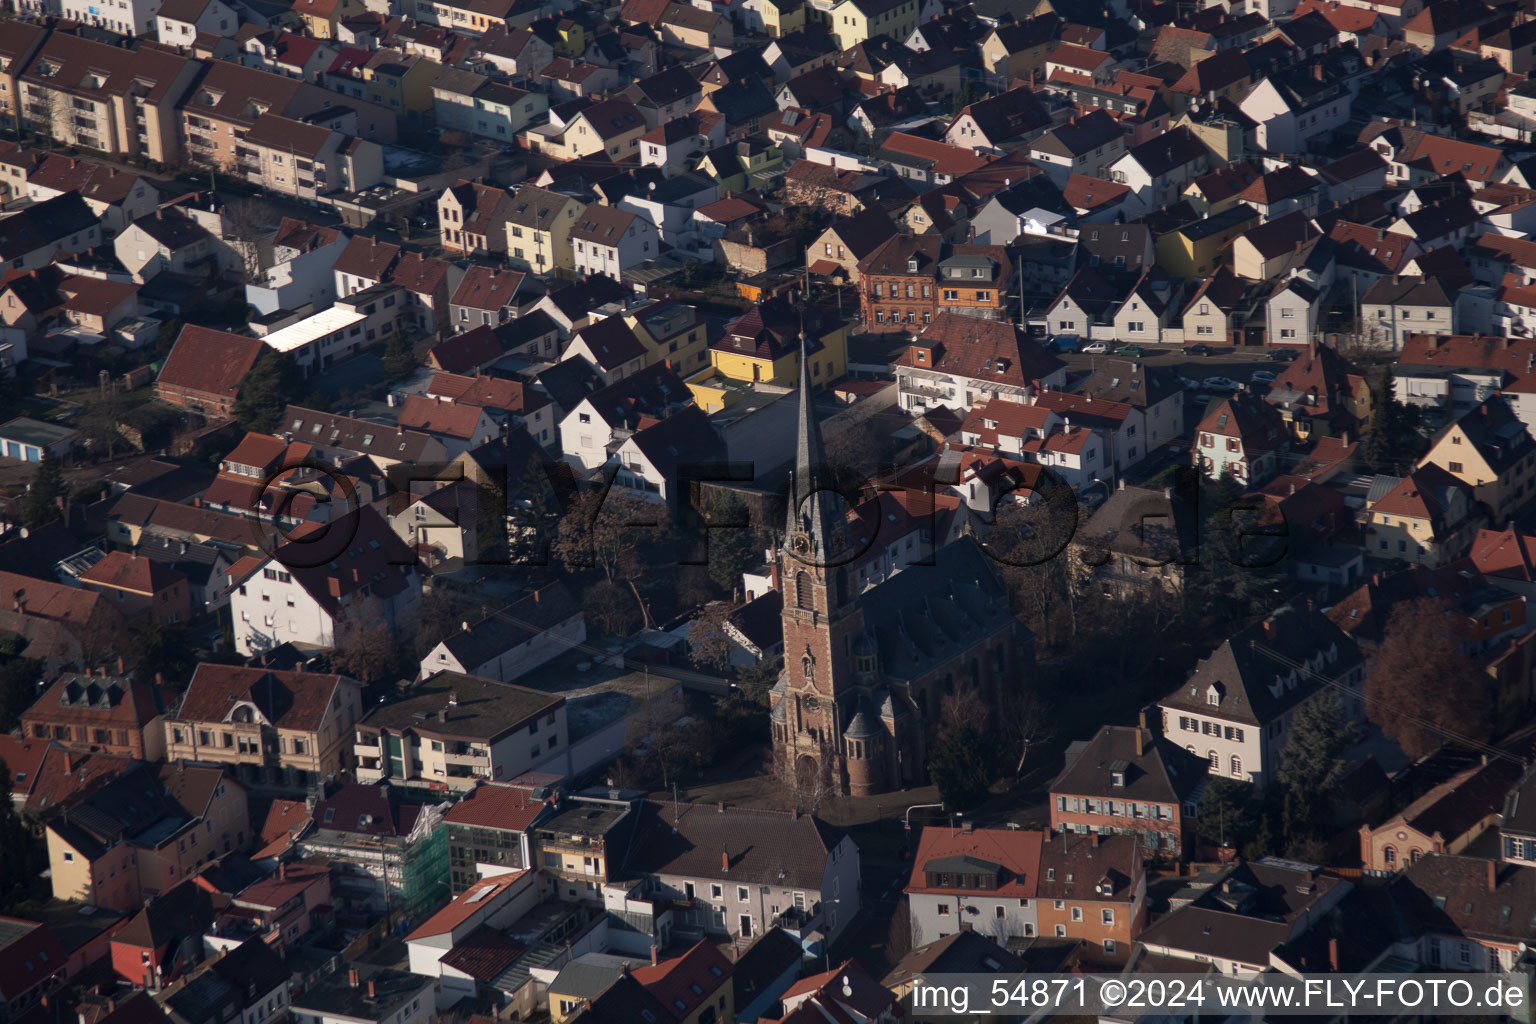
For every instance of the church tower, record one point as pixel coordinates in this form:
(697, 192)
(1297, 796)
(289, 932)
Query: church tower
(815, 697)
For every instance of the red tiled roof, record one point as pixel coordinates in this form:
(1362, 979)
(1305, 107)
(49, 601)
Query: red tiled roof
(288, 700)
(1015, 851)
(31, 957)
(286, 820)
(684, 983)
(435, 416)
(497, 805)
(209, 361)
(122, 571)
(465, 905)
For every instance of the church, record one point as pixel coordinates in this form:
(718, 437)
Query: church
(865, 674)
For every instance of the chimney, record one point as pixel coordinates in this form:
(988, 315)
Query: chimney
(1317, 72)
(720, 807)
(352, 978)
(1141, 735)
(119, 664)
(1333, 955)
(624, 967)
(159, 678)
(69, 763)
(1493, 875)
(282, 871)
(655, 955)
(1094, 838)
(372, 988)
(725, 860)
(453, 698)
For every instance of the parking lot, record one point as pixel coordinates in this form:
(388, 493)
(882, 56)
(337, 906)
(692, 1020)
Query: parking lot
(1235, 364)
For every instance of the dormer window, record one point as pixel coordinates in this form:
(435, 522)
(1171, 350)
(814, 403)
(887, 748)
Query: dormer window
(1213, 696)
(912, 265)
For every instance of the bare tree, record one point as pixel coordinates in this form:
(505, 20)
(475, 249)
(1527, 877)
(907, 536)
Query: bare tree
(898, 938)
(248, 228)
(1028, 720)
(964, 707)
(365, 648)
(708, 641)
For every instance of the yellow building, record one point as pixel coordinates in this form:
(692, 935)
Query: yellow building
(763, 346)
(671, 332)
(539, 229)
(1195, 250)
(781, 17)
(857, 21)
(401, 81)
(323, 18)
(570, 39)
(1018, 51)
(611, 126)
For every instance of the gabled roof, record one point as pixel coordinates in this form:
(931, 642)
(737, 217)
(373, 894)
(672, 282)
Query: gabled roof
(1250, 684)
(701, 841)
(1011, 855)
(1113, 765)
(286, 700)
(1248, 418)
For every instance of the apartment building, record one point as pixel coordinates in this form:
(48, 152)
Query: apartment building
(116, 101)
(1237, 706)
(453, 730)
(266, 727)
(110, 714)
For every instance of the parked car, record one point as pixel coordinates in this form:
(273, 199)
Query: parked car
(1262, 377)
(1128, 350)
(1200, 350)
(1282, 355)
(1063, 343)
(1096, 348)
(1220, 384)
(1189, 384)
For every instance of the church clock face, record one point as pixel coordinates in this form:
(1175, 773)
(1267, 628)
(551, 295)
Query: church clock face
(812, 704)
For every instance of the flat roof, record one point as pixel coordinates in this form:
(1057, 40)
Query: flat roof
(31, 431)
(311, 329)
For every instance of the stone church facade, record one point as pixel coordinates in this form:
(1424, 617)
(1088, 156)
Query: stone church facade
(865, 674)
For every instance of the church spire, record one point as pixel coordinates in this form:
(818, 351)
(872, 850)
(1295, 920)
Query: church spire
(815, 529)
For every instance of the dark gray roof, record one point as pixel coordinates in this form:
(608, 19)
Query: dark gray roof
(452, 704)
(1254, 687)
(1163, 773)
(929, 614)
(515, 624)
(778, 847)
(52, 221)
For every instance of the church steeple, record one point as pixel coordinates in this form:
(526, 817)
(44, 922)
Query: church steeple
(816, 527)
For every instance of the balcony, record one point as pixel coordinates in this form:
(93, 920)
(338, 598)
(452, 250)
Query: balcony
(915, 387)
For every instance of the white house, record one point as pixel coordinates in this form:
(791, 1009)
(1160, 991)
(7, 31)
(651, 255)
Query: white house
(454, 730)
(1294, 109)
(507, 644)
(353, 567)
(1291, 312)
(300, 276)
(610, 241)
(1395, 307)
(495, 902)
(125, 17)
(724, 860)
(669, 205)
(1236, 709)
(1158, 170)
(654, 461)
(178, 22)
